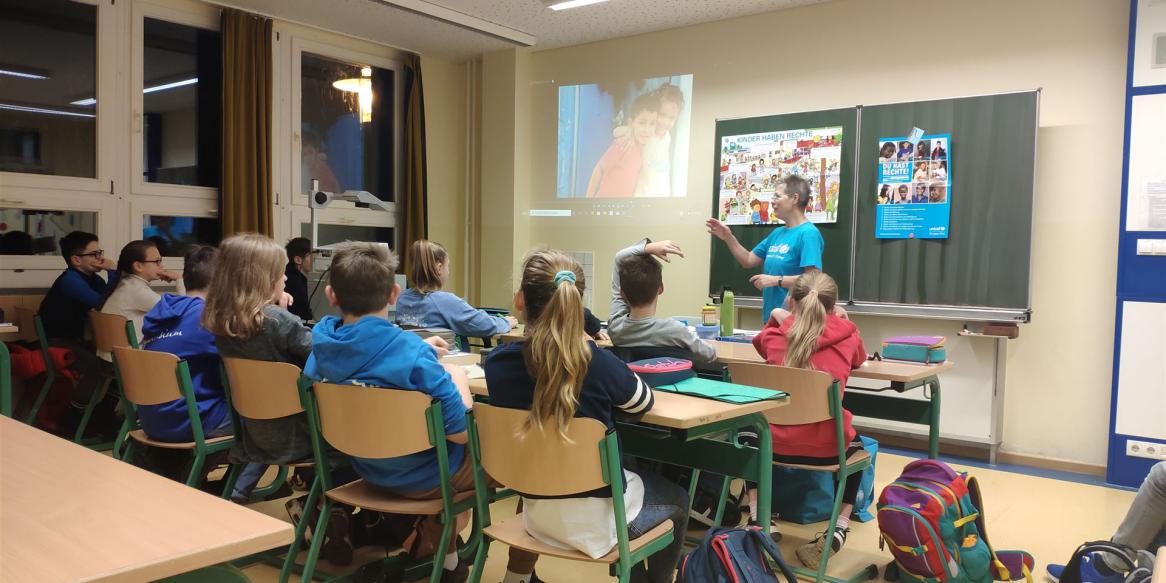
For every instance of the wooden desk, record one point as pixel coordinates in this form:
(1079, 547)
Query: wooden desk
(71, 514)
(6, 331)
(870, 403)
(463, 359)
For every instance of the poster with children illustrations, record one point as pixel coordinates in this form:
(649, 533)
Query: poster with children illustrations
(914, 188)
(753, 166)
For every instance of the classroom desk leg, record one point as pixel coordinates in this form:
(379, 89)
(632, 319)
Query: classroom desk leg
(933, 429)
(864, 403)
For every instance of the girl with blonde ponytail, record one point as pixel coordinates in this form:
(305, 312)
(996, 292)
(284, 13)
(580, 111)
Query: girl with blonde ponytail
(425, 305)
(558, 373)
(814, 334)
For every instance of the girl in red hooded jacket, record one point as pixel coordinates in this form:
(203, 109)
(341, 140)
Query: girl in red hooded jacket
(816, 336)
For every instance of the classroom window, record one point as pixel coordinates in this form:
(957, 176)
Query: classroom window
(37, 232)
(175, 235)
(182, 104)
(331, 234)
(48, 84)
(347, 126)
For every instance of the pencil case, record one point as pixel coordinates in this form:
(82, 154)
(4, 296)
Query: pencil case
(921, 349)
(662, 371)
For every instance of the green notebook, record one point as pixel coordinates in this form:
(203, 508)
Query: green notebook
(722, 391)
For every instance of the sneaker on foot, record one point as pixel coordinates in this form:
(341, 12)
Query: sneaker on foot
(337, 546)
(458, 575)
(810, 554)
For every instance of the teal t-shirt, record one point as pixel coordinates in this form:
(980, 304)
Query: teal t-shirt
(787, 252)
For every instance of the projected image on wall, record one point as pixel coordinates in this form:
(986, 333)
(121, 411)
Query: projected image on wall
(624, 140)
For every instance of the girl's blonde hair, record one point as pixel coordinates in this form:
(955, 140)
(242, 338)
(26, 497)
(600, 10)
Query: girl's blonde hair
(815, 294)
(556, 354)
(243, 283)
(424, 258)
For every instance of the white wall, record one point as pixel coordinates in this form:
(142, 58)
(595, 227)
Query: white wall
(833, 55)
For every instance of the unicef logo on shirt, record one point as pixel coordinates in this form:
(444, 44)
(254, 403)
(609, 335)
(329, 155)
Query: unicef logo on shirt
(783, 248)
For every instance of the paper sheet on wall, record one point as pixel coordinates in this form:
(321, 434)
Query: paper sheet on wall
(1146, 186)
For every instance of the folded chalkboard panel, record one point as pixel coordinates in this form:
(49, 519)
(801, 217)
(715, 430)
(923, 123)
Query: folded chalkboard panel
(984, 262)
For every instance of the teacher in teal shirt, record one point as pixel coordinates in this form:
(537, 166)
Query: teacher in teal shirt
(787, 253)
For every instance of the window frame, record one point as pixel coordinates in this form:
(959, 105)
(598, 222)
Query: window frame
(171, 207)
(78, 201)
(107, 120)
(186, 13)
(293, 148)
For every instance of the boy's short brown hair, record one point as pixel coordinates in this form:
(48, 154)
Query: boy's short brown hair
(640, 278)
(362, 277)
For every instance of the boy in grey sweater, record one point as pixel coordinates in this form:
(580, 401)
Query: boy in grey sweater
(636, 284)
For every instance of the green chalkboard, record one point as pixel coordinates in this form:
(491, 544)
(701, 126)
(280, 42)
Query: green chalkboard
(984, 262)
(724, 270)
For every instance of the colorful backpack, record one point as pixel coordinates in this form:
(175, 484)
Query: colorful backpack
(734, 555)
(931, 519)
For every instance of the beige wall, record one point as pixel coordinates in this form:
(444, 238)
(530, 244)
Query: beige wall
(832, 55)
(445, 127)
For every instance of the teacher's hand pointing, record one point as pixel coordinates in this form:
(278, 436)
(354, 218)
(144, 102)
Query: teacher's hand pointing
(718, 229)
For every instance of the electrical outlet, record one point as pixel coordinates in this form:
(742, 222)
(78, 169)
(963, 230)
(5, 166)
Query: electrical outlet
(1146, 449)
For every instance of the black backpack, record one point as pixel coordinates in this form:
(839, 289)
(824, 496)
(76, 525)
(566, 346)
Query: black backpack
(1137, 571)
(735, 555)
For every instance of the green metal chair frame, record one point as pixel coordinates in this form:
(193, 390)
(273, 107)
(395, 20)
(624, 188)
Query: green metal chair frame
(435, 425)
(201, 448)
(50, 370)
(5, 381)
(612, 475)
(844, 471)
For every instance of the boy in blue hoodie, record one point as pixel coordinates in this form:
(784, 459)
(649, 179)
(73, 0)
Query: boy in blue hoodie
(363, 347)
(173, 326)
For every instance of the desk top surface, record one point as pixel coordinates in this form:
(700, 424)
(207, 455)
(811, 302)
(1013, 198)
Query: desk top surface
(68, 513)
(676, 411)
(879, 370)
(5, 330)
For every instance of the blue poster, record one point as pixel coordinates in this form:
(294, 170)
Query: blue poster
(914, 188)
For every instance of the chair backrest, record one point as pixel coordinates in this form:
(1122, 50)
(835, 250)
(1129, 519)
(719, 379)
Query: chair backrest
(540, 462)
(261, 389)
(147, 377)
(109, 331)
(809, 390)
(373, 422)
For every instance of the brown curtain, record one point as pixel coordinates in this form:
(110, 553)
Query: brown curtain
(413, 206)
(246, 201)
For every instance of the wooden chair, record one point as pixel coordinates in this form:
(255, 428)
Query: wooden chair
(543, 464)
(109, 331)
(373, 422)
(259, 389)
(155, 378)
(814, 397)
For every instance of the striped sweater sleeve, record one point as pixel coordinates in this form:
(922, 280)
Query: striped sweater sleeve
(641, 398)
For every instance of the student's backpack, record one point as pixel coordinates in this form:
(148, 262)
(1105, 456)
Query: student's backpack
(736, 555)
(1139, 565)
(931, 518)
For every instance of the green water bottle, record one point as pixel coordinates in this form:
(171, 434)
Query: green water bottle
(728, 312)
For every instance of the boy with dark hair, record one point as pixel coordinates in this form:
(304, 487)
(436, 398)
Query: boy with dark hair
(65, 310)
(636, 284)
(299, 265)
(174, 326)
(363, 347)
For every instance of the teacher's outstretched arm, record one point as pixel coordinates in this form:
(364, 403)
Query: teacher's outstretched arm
(743, 256)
